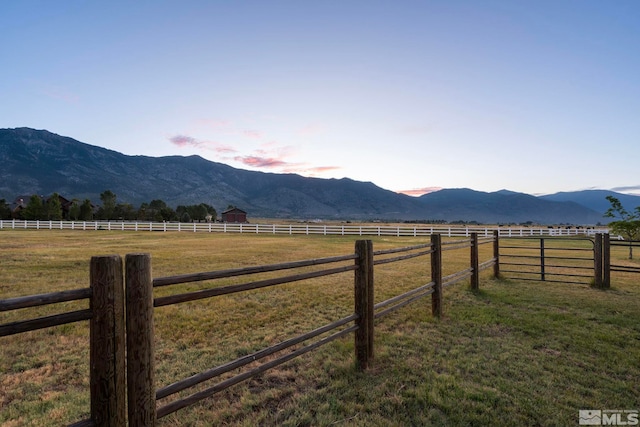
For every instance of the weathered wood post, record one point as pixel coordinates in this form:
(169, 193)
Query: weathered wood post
(140, 352)
(496, 254)
(597, 260)
(436, 275)
(606, 260)
(363, 289)
(107, 342)
(475, 264)
(542, 259)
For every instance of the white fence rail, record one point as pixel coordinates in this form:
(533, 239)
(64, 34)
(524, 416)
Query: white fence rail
(322, 229)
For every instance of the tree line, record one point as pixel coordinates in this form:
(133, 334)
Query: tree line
(52, 208)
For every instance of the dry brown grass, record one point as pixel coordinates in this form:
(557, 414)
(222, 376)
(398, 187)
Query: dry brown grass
(514, 353)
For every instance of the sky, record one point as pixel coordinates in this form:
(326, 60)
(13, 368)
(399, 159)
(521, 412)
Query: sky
(534, 96)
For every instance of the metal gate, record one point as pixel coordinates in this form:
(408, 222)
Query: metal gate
(621, 247)
(550, 259)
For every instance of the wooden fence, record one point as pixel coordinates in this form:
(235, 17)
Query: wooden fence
(308, 228)
(121, 311)
(628, 245)
(547, 259)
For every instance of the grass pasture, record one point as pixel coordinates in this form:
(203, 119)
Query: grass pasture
(514, 353)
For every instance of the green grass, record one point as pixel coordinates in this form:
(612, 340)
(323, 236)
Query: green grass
(514, 353)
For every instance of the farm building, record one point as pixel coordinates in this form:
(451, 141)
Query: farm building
(234, 215)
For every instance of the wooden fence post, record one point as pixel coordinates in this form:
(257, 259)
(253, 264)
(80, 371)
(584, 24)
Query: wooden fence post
(107, 346)
(542, 260)
(597, 260)
(606, 261)
(436, 275)
(363, 289)
(140, 352)
(475, 265)
(496, 254)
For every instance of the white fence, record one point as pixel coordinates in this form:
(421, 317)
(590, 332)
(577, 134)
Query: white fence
(303, 228)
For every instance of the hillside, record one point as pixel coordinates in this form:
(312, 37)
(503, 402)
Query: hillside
(504, 207)
(41, 162)
(595, 199)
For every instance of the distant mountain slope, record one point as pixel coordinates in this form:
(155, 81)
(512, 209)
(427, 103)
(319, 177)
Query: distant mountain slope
(504, 207)
(40, 162)
(595, 199)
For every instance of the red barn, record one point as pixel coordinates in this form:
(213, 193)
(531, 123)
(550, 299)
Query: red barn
(234, 215)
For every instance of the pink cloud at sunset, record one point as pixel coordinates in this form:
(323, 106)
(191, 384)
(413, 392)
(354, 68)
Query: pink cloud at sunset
(420, 191)
(323, 169)
(188, 141)
(273, 149)
(184, 141)
(310, 171)
(260, 162)
(268, 155)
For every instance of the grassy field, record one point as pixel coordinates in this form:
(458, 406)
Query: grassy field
(515, 353)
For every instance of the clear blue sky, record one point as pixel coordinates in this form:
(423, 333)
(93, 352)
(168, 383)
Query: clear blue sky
(533, 96)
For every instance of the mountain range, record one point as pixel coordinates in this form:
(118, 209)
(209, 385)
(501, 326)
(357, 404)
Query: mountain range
(41, 162)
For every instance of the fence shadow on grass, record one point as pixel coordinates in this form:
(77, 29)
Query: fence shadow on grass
(121, 310)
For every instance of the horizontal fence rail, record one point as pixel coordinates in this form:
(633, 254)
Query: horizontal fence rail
(307, 228)
(106, 327)
(45, 321)
(630, 246)
(256, 356)
(122, 304)
(360, 322)
(548, 259)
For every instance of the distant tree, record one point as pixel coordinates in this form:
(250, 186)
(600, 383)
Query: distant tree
(159, 211)
(142, 212)
(108, 199)
(168, 214)
(211, 212)
(152, 212)
(628, 224)
(157, 204)
(53, 208)
(34, 209)
(74, 210)
(5, 209)
(201, 212)
(86, 211)
(125, 211)
(198, 212)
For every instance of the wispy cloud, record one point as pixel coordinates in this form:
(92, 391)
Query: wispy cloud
(322, 169)
(188, 141)
(420, 191)
(184, 141)
(307, 170)
(260, 162)
(269, 154)
(273, 156)
(627, 189)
